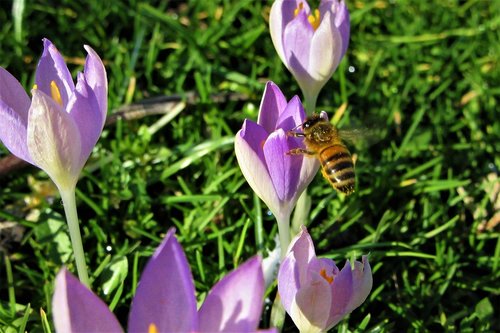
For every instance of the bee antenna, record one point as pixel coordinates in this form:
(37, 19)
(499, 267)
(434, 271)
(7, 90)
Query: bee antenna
(296, 127)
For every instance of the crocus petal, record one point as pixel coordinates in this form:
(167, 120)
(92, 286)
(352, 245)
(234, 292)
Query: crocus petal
(235, 303)
(362, 283)
(254, 136)
(282, 13)
(311, 308)
(342, 292)
(294, 269)
(293, 114)
(251, 160)
(54, 140)
(273, 102)
(288, 281)
(165, 294)
(12, 94)
(302, 248)
(95, 75)
(309, 169)
(14, 106)
(77, 309)
(326, 50)
(342, 19)
(84, 109)
(297, 38)
(13, 132)
(52, 67)
(284, 169)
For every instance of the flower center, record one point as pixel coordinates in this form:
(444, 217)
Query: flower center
(324, 275)
(314, 19)
(152, 328)
(54, 92)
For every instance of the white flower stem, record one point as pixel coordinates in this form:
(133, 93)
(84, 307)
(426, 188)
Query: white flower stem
(310, 102)
(69, 202)
(301, 212)
(284, 233)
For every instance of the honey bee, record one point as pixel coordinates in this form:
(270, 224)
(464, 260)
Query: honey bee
(324, 141)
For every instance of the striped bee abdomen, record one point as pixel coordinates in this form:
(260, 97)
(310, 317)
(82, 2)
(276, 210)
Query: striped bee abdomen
(337, 167)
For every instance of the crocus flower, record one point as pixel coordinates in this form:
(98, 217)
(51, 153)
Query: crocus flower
(314, 292)
(310, 43)
(165, 299)
(261, 149)
(57, 129)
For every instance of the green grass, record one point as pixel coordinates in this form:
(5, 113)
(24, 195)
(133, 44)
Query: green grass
(426, 73)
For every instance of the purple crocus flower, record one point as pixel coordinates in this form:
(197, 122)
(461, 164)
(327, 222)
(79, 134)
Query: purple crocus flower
(59, 126)
(314, 292)
(165, 299)
(261, 149)
(310, 43)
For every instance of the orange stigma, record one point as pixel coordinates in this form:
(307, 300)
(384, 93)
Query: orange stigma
(325, 276)
(314, 20)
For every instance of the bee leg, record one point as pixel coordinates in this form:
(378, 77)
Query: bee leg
(300, 151)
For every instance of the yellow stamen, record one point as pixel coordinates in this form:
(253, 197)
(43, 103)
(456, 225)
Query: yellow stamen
(35, 86)
(325, 276)
(56, 94)
(298, 9)
(314, 20)
(152, 328)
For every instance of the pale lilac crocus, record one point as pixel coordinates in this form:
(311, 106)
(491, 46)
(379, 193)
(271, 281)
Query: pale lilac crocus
(314, 292)
(261, 149)
(165, 299)
(311, 43)
(58, 127)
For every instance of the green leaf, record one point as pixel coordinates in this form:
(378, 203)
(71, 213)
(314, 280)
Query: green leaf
(484, 309)
(52, 232)
(114, 274)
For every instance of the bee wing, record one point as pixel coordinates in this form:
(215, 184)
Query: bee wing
(367, 136)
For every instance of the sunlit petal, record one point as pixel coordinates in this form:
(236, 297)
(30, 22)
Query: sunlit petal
(52, 68)
(76, 309)
(235, 303)
(95, 76)
(53, 140)
(83, 107)
(165, 294)
(273, 102)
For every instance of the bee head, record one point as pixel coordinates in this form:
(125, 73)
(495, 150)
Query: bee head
(311, 121)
